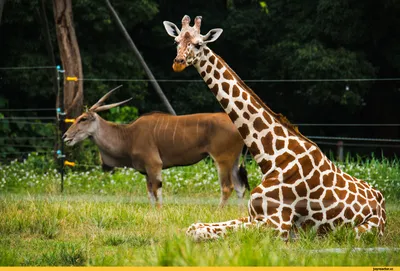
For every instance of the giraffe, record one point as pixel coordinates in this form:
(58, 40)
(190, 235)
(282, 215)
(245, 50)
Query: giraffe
(300, 188)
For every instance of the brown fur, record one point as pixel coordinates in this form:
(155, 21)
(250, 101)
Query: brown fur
(158, 141)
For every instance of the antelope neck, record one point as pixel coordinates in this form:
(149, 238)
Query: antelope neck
(111, 137)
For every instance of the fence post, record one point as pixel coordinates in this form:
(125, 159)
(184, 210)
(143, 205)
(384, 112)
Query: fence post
(61, 127)
(340, 151)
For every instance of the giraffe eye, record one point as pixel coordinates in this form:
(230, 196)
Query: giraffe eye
(197, 46)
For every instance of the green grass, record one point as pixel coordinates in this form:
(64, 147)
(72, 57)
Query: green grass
(104, 219)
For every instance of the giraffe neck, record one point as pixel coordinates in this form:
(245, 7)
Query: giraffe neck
(264, 132)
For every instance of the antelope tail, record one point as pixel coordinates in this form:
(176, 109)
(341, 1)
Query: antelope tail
(243, 177)
(243, 172)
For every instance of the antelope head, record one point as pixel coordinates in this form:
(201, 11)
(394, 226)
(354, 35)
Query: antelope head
(87, 124)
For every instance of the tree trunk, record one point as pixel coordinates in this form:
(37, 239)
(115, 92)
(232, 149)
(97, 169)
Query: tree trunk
(70, 57)
(1, 8)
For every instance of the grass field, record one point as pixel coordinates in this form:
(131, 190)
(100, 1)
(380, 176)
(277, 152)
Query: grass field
(104, 219)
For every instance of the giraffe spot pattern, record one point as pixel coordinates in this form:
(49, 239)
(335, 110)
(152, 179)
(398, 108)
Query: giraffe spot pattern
(209, 81)
(295, 146)
(272, 207)
(216, 74)
(327, 180)
(225, 87)
(279, 144)
(244, 130)
(301, 189)
(265, 165)
(292, 175)
(274, 194)
(328, 199)
(318, 216)
(235, 92)
(257, 190)
(227, 75)
(259, 125)
(233, 115)
(257, 205)
(283, 160)
(215, 89)
(327, 195)
(350, 198)
(286, 213)
(301, 208)
(317, 194)
(348, 213)
(325, 166)
(254, 103)
(270, 182)
(239, 105)
(288, 196)
(266, 142)
(224, 102)
(254, 150)
(251, 109)
(307, 166)
(341, 194)
(212, 59)
(267, 117)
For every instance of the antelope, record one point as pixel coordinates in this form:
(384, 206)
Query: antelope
(157, 141)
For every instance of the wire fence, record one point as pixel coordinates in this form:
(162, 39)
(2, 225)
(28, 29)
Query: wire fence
(11, 141)
(9, 116)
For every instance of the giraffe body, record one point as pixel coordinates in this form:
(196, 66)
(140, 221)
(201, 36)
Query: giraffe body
(301, 187)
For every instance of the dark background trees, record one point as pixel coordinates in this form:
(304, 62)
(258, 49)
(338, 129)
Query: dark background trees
(285, 40)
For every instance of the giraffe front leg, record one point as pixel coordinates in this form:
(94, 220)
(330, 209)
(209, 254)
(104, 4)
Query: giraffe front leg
(210, 231)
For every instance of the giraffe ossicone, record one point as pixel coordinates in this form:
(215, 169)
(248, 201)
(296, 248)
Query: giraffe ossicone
(300, 187)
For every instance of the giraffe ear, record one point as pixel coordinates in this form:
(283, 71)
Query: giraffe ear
(172, 29)
(212, 35)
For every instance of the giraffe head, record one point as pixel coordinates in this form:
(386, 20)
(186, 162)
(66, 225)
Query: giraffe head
(190, 43)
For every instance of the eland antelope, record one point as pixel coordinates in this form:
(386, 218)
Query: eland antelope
(158, 141)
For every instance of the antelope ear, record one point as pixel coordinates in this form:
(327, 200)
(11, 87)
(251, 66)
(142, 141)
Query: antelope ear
(212, 35)
(172, 29)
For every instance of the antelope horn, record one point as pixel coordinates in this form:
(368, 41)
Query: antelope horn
(197, 23)
(185, 21)
(108, 106)
(102, 99)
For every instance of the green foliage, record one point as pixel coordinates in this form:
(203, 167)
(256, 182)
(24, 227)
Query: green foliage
(264, 7)
(122, 114)
(285, 40)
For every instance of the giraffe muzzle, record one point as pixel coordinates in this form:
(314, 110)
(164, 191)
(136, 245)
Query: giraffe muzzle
(179, 65)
